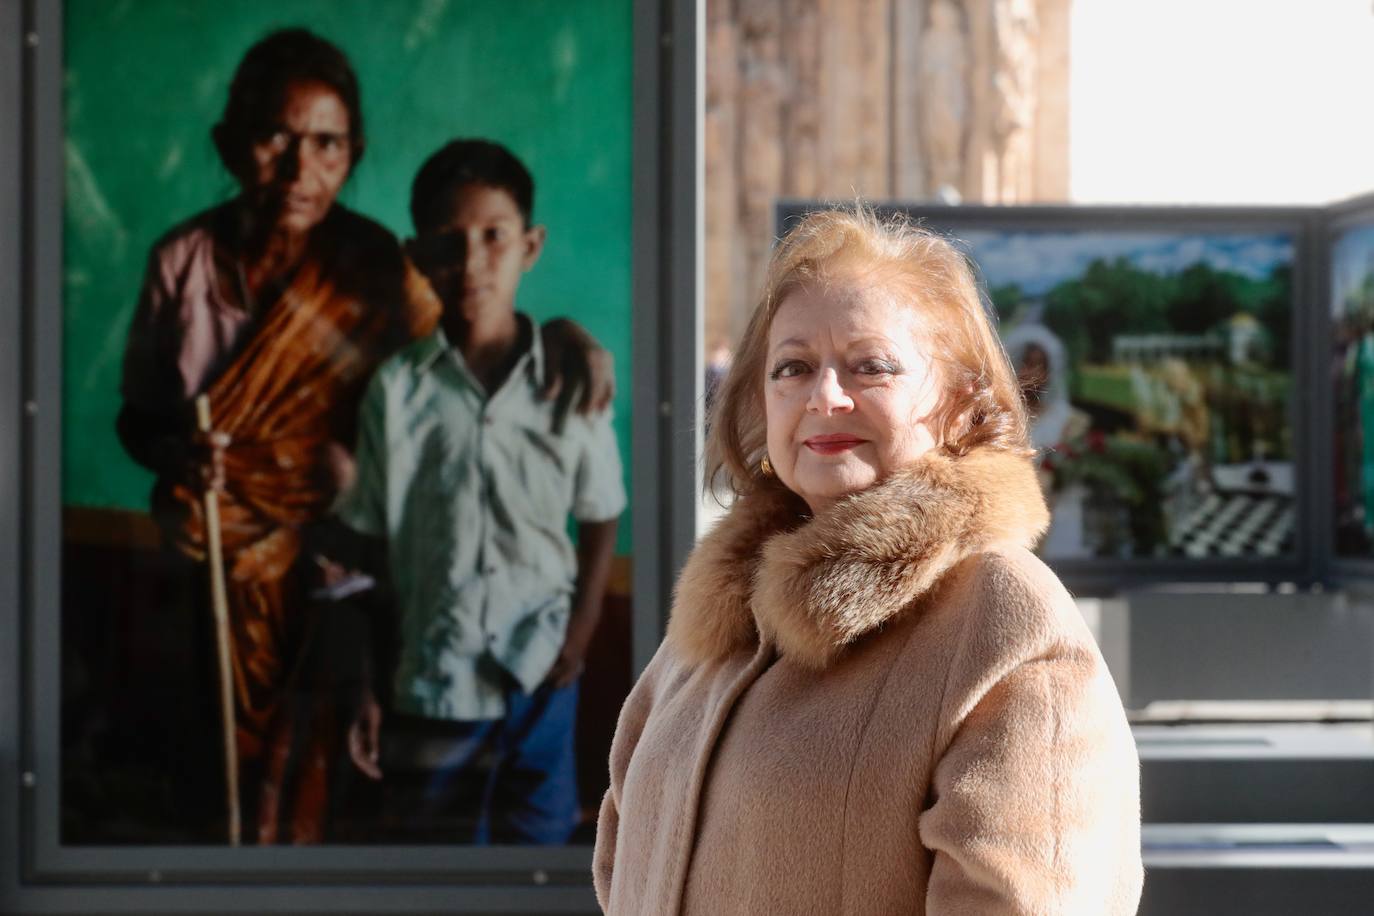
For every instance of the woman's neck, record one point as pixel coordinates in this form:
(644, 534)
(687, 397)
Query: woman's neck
(267, 253)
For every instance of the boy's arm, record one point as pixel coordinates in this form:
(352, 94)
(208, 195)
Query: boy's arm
(598, 500)
(595, 545)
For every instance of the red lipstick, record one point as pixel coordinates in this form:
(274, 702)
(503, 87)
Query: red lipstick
(833, 444)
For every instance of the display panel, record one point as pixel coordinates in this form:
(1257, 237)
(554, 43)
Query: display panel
(1159, 356)
(1156, 367)
(1351, 313)
(412, 653)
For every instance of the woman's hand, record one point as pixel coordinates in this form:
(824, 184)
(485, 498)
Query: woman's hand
(332, 574)
(576, 367)
(364, 736)
(206, 459)
(339, 466)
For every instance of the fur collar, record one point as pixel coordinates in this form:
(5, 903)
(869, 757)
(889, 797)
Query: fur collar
(816, 585)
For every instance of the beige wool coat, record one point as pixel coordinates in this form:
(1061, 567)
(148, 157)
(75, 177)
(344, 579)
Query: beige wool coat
(893, 707)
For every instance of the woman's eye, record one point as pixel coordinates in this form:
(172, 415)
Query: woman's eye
(494, 235)
(789, 369)
(875, 367)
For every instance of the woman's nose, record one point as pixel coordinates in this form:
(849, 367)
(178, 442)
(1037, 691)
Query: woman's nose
(289, 162)
(828, 395)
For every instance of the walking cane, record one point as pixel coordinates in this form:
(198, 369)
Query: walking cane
(214, 555)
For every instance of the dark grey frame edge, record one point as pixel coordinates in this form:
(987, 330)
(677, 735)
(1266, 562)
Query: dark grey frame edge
(668, 391)
(666, 387)
(1319, 418)
(11, 293)
(1107, 577)
(1347, 572)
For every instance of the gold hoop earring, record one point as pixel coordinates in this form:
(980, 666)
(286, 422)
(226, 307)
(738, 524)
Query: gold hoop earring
(766, 466)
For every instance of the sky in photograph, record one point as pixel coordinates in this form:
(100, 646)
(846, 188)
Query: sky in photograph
(1352, 259)
(1038, 260)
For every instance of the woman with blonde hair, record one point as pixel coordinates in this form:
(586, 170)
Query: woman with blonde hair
(872, 697)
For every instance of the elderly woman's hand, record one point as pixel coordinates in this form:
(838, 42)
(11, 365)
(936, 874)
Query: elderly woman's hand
(577, 369)
(206, 460)
(338, 466)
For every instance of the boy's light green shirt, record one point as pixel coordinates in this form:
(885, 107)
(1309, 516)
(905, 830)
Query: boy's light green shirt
(473, 494)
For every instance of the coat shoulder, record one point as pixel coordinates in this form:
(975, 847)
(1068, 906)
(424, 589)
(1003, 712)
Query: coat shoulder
(1023, 577)
(1016, 639)
(1008, 595)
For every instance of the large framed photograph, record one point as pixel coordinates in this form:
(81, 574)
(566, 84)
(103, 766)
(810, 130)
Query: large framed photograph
(345, 318)
(1160, 353)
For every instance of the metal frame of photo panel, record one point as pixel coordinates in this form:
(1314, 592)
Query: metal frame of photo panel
(1112, 576)
(1339, 570)
(40, 875)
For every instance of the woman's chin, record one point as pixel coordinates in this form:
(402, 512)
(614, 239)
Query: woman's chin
(823, 485)
(271, 210)
(299, 222)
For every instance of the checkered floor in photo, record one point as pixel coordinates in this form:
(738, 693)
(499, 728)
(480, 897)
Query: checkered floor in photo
(1237, 525)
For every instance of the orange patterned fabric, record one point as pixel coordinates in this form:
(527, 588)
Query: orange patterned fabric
(292, 391)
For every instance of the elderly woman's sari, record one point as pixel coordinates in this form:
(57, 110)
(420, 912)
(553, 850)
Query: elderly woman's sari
(292, 390)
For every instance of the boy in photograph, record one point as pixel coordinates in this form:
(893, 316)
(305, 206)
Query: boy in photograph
(469, 476)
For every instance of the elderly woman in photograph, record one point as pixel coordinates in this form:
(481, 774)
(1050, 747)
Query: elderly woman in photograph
(872, 697)
(278, 304)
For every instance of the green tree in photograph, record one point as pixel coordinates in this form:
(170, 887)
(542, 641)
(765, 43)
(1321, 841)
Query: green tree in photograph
(1006, 300)
(1111, 298)
(1202, 299)
(1274, 309)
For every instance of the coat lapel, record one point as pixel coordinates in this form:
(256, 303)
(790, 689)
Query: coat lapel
(814, 586)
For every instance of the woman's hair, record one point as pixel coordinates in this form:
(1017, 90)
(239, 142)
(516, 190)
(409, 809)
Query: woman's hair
(980, 404)
(259, 87)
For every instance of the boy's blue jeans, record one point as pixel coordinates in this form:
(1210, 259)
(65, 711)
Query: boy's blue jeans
(505, 781)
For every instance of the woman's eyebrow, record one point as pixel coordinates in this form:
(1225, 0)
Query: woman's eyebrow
(887, 345)
(883, 343)
(789, 342)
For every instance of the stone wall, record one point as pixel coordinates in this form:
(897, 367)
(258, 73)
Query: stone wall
(880, 99)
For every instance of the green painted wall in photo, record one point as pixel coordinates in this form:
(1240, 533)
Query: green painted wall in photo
(145, 81)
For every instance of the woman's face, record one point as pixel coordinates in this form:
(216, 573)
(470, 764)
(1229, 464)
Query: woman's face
(848, 387)
(301, 160)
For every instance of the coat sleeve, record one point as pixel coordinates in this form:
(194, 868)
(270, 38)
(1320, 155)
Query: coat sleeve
(1036, 792)
(603, 856)
(629, 727)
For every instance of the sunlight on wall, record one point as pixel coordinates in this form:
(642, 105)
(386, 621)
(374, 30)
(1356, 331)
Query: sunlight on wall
(1221, 101)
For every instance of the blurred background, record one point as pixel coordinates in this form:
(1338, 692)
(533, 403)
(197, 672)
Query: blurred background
(1249, 692)
(1022, 101)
